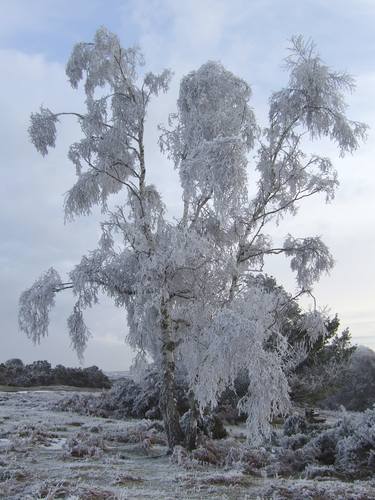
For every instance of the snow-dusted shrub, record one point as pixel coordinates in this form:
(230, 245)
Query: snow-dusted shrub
(252, 461)
(85, 444)
(347, 449)
(181, 457)
(291, 462)
(313, 471)
(314, 490)
(295, 424)
(26, 435)
(125, 399)
(11, 474)
(209, 454)
(145, 432)
(295, 441)
(324, 447)
(302, 450)
(213, 427)
(125, 479)
(51, 490)
(227, 478)
(129, 399)
(355, 447)
(95, 429)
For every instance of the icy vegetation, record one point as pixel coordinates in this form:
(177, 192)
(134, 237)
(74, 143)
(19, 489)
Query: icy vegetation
(194, 287)
(218, 342)
(307, 443)
(45, 454)
(126, 399)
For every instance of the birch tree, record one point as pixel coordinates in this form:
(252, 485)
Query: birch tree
(195, 291)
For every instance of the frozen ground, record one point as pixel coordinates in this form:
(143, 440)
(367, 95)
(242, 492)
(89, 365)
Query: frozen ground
(47, 454)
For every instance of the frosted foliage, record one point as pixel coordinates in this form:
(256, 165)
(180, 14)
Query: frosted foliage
(239, 339)
(103, 271)
(315, 99)
(83, 195)
(220, 167)
(157, 83)
(43, 130)
(108, 157)
(310, 258)
(78, 331)
(214, 128)
(35, 304)
(314, 322)
(356, 440)
(175, 272)
(194, 290)
(288, 175)
(214, 103)
(97, 62)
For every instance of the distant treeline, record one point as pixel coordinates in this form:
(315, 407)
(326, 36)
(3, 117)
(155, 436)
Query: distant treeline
(15, 373)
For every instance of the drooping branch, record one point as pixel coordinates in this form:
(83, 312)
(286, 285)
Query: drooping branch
(36, 302)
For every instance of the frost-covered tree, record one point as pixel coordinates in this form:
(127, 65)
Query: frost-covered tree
(194, 291)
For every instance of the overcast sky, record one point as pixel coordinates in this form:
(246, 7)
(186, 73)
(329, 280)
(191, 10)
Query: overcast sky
(250, 38)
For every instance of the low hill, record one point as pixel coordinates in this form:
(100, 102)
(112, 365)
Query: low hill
(357, 392)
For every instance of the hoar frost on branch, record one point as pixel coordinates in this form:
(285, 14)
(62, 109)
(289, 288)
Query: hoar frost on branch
(195, 291)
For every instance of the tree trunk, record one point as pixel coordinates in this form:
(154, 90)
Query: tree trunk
(191, 432)
(168, 401)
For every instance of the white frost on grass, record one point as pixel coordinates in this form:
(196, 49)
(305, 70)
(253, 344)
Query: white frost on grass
(41, 468)
(4, 443)
(56, 444)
